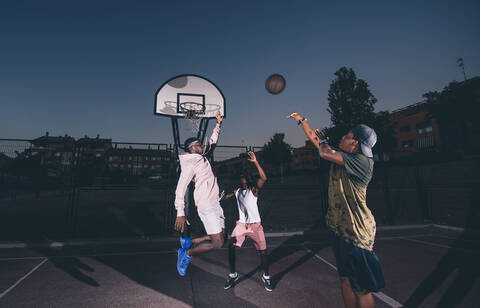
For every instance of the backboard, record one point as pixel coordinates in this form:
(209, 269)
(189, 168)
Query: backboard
(189, 92)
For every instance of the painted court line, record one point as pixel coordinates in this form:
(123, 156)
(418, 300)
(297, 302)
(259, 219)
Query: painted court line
(440, 245)
(23, 278)
(380, 295)
(173, 251)
(159, 252)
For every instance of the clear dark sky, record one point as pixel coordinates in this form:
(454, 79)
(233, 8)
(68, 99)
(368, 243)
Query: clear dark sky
(92, 67)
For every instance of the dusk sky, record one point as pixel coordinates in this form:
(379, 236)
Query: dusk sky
(93, 67)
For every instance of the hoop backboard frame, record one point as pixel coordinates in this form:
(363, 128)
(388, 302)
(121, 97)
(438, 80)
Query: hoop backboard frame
(178, 90)
(189, 88)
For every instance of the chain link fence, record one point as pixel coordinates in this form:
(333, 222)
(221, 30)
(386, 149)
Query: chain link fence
(95, 188)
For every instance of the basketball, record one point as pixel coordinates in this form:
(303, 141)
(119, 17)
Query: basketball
(275, 84)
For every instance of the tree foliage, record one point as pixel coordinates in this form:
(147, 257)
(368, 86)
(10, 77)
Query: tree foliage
(350, 102)
(454, 108)
(459, 100)
(277, 151)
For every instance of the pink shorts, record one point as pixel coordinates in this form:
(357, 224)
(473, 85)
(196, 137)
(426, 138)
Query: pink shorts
(253, 231)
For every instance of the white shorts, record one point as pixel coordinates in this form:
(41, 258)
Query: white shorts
(212, 218)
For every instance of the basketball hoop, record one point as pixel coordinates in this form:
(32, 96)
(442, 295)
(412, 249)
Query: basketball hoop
(192, 111)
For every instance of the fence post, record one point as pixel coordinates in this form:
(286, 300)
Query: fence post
(422, 192)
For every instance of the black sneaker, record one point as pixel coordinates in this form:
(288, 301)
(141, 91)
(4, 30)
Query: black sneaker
(230, 282)
(267, 283)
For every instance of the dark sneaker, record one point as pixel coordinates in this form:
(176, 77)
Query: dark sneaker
(267, 283)
(182, 261)
(186, 242)
(230, 282)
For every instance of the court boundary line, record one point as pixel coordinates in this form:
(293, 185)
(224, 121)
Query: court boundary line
(440, 245)
(23, 278)
(173, 251)
(158, 239)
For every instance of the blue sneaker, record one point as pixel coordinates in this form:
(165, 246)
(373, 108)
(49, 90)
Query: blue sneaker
(186, 243)
(182, 261)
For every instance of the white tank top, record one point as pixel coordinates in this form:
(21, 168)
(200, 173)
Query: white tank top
(247, 206)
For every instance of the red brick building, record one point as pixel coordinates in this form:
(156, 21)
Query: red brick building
(305, 158)
(416, 131)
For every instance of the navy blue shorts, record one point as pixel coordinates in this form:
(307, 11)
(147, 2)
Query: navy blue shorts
(361, 266)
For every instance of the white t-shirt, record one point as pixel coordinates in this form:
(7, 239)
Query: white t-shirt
(247, 206)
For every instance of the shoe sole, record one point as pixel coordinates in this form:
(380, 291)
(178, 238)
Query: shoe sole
(269, 290)
(231, 284)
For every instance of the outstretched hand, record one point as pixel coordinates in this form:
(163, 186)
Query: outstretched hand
(251, 157)
(295, 115)
(219, 118)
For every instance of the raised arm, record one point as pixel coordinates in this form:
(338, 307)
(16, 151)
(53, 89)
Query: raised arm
(318, 140)
(216, 131)
(212, 142)
(262, 176)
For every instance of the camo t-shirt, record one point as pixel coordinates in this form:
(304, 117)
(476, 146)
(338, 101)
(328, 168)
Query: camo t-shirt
(348, 215)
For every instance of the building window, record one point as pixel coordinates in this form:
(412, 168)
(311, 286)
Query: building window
(426, 142)
(405, 129)
(424, 127)
(407, 144)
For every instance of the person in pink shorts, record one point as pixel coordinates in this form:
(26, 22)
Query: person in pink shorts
(249, 224)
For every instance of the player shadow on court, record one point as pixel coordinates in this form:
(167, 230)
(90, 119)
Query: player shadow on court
(158, 272)
(69, 264)
(460, 262)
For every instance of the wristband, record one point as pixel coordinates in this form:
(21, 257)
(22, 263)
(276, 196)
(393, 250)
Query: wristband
(323, 141)
(300, 121)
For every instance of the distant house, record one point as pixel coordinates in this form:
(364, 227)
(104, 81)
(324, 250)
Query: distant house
(416, 131)
(140, 161)
(234, 167)
(305, 158)
(54, 151)
(97, 147)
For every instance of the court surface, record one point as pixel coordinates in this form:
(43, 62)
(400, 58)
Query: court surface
(424, 266)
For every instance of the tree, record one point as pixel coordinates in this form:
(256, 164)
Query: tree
(350, 102)
(455, 108)
(386, 133)
(277, 152)
(459, 100)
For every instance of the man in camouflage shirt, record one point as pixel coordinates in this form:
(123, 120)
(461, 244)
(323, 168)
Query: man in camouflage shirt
(348, 217)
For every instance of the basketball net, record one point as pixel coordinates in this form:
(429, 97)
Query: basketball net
(193, 121)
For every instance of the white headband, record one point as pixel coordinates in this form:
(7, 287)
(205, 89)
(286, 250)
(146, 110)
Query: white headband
(192, 144)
